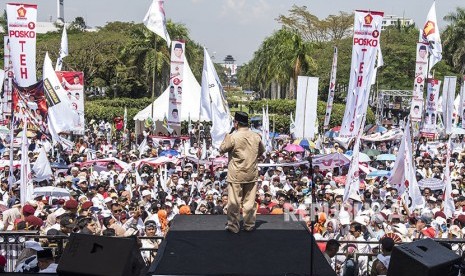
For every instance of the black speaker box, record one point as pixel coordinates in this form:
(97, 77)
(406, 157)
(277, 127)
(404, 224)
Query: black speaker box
(423, 257)
(100, 255)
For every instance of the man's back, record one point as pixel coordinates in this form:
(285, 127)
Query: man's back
(244, 147)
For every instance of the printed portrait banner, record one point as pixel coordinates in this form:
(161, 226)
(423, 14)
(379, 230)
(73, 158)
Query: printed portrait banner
(73, 83)
(366, 43)
(462, 102)
(448, 97)
(29, 104)
(6, 97)
(332, 86)
(176, 86)
(431, 111)
(22, 19)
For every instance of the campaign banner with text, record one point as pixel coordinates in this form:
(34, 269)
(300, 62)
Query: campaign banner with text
(22, 19)
(431, 116)
(332, 86)
(366, 43)
(421, 67)
(73, 83)
(8, 68)
(176, 85)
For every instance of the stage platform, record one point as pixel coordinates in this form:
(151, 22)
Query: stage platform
(200, 245)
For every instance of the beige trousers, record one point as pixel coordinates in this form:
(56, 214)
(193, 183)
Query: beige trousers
(241, 195)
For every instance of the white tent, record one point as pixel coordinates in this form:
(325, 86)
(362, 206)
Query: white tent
(190, 103)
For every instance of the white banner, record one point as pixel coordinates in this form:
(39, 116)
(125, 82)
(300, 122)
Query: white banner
(462, 102)
(8, 68)
(22, 32)
(155, 20)
(213, 102)
(366, 43)
(430, 35)
(60, 115)
(448, 97)
(306, 105)
(176, 83)
(329, 161)
(63, 49)
(26, 185)
(421, 66)
(332, 86)
(431, 116)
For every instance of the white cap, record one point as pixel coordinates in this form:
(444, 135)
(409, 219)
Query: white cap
(59, 212)
(146, 193)
(168, 203)
(455, 192)
(108, 199)
(33, 245)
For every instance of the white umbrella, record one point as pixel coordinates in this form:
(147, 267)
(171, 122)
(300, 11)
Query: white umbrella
(50, 191)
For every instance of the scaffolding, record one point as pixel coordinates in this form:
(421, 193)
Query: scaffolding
(384, 96)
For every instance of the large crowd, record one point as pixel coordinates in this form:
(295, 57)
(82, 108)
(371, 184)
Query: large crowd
(116, 187)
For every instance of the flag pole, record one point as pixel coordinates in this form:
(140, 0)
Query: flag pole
(154, 72)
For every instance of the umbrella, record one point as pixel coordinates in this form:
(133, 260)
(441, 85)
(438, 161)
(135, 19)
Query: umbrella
(372, 152)
(50, 191)
(386, 157)
(171, 152)
(294, 148)
(29, 134)
(331, 133)
(379, 173)
(375, 129)
(362, 157)
(57, 165)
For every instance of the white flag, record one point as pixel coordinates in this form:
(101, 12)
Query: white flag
(63, 49)
(125, 118)
(292, 125)
(430, 35)
(155, 20)
(448, 97)
(41, 168)
(26, 187)
(212, 102)
(449, 206)
(415, 199)
(353, 176)
(266, 129)
(142, 147)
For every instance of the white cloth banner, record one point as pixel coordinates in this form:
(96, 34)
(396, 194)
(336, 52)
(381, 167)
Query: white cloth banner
(430, 35)
(430, 121)
(213, 102)
(392, 134)
(421, 66)
(59, 113)
(306, 106)
(22, 19)
(42, 170)
(176, 83)
(63, 49)
(155, 20)
(366, 43)
(462, 102)
(332, 86)
(26, 187)
(330, 161)
(449, 206)
(448, 97)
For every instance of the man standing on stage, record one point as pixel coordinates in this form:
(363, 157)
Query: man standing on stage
(244, 147)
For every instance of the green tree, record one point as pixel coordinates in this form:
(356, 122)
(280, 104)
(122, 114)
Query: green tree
(453, 40)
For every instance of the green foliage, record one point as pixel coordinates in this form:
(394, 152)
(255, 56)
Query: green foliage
(280, 111)
(453, 40)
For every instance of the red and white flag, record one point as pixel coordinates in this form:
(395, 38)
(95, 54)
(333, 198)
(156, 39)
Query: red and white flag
(430, 35)
(22, 19)
(155, 20)
(366, 43)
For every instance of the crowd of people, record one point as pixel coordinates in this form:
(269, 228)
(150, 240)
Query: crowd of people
(112, 191)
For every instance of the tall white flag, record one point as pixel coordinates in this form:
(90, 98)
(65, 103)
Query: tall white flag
(305, 107)
(332, 87)
(430, 35)
(63, 50)
(26, 187)
(415, 199)
(41, 168)
(213, 103)
(60, 117)
(461, 108)
(155, 20)
(449, 206)
(352, 185)
(448, 97)
(266, 129)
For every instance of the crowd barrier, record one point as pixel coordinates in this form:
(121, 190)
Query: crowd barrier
(12, 243)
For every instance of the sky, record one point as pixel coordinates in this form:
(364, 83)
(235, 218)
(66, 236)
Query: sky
(232, 27)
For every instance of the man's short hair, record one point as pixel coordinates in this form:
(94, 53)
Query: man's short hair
(357, 226)
(333, 244)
